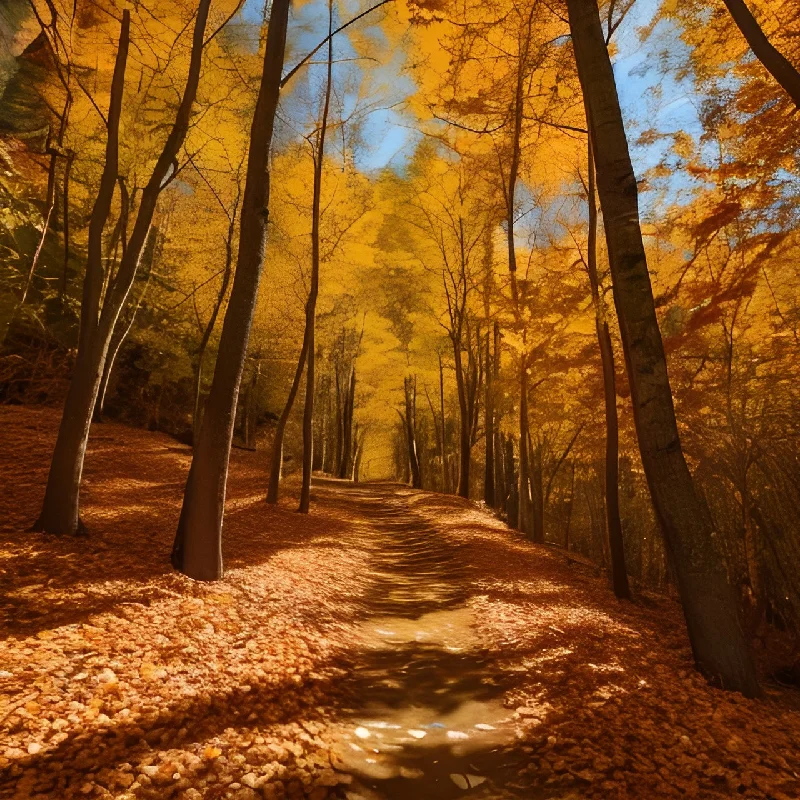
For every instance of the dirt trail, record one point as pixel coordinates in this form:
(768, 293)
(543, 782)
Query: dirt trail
(391, 644)
(427, 718)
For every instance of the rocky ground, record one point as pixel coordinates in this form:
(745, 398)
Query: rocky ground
(122, 679)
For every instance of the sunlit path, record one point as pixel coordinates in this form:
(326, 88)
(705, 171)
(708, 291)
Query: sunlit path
(427, 713)
(393, 644)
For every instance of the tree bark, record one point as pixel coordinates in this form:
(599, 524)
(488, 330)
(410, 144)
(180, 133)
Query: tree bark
(60, 509)
(212, 321)
(311, 304)
(488, 412)
(773, 60)
(65, 222)
(346, 468)
(465, 446)
(410, 391)
(499, 483)
(524, 509)
(276, 462)
(619, 572)
(445, 483)
(720, 649)
(197, 551)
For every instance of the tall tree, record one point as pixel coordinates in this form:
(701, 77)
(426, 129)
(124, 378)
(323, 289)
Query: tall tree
(619, 572)
(276, 459)
(718, 643)
(100, 310)
(197, 550)
(313, 293)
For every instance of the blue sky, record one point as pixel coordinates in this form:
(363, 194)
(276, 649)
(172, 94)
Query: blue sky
(651, 97)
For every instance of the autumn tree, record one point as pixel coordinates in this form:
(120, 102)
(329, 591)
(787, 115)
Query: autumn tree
(719, 646)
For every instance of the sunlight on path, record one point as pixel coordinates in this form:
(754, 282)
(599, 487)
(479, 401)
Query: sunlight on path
(428, 719)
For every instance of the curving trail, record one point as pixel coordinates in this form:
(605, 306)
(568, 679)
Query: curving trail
(392, 644)
(427, 718)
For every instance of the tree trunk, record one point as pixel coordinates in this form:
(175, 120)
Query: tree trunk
(48, 216)
(65, 222)
(212, 321)
(499, 483)
(465, 447)
(121, 333)
(61, 506)
(347, 425)
(488, 413)
(276, 462)
(719, 646)
(357, 459)
(537, 502)
(409, 387)
(311, 304)
(512, 495)
(619, 572)
(100, 314)
(197, 551)
(337, 464)
(569, 507)
(445, 484)
(524, 509)
(774, 61)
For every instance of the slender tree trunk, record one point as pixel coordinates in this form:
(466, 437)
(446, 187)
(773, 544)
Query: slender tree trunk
(100, 314)
(409, 420)
(65, 223)
(619, 572)
(445, 483)
(524, 509)
(48, 216)
(60, 510)
(118, 339)
(537, 502)
(357, 459)
(720, 649)
(488, 411)
(323, 428)
(512, 494)
(276, 462)
(347, 425)
(197, 550)
(465, 446)
(569, 506)
(500, 490)
(311, 305)
(339, 422)
(773, 60)
(210, 325)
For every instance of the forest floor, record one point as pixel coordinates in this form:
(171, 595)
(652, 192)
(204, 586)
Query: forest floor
(393, 644)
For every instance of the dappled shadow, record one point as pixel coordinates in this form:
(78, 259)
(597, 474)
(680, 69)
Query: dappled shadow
(191, 721)
(454, 656)
(131, 504)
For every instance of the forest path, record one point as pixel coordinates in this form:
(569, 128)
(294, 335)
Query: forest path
(426, 718)
(334, 635)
